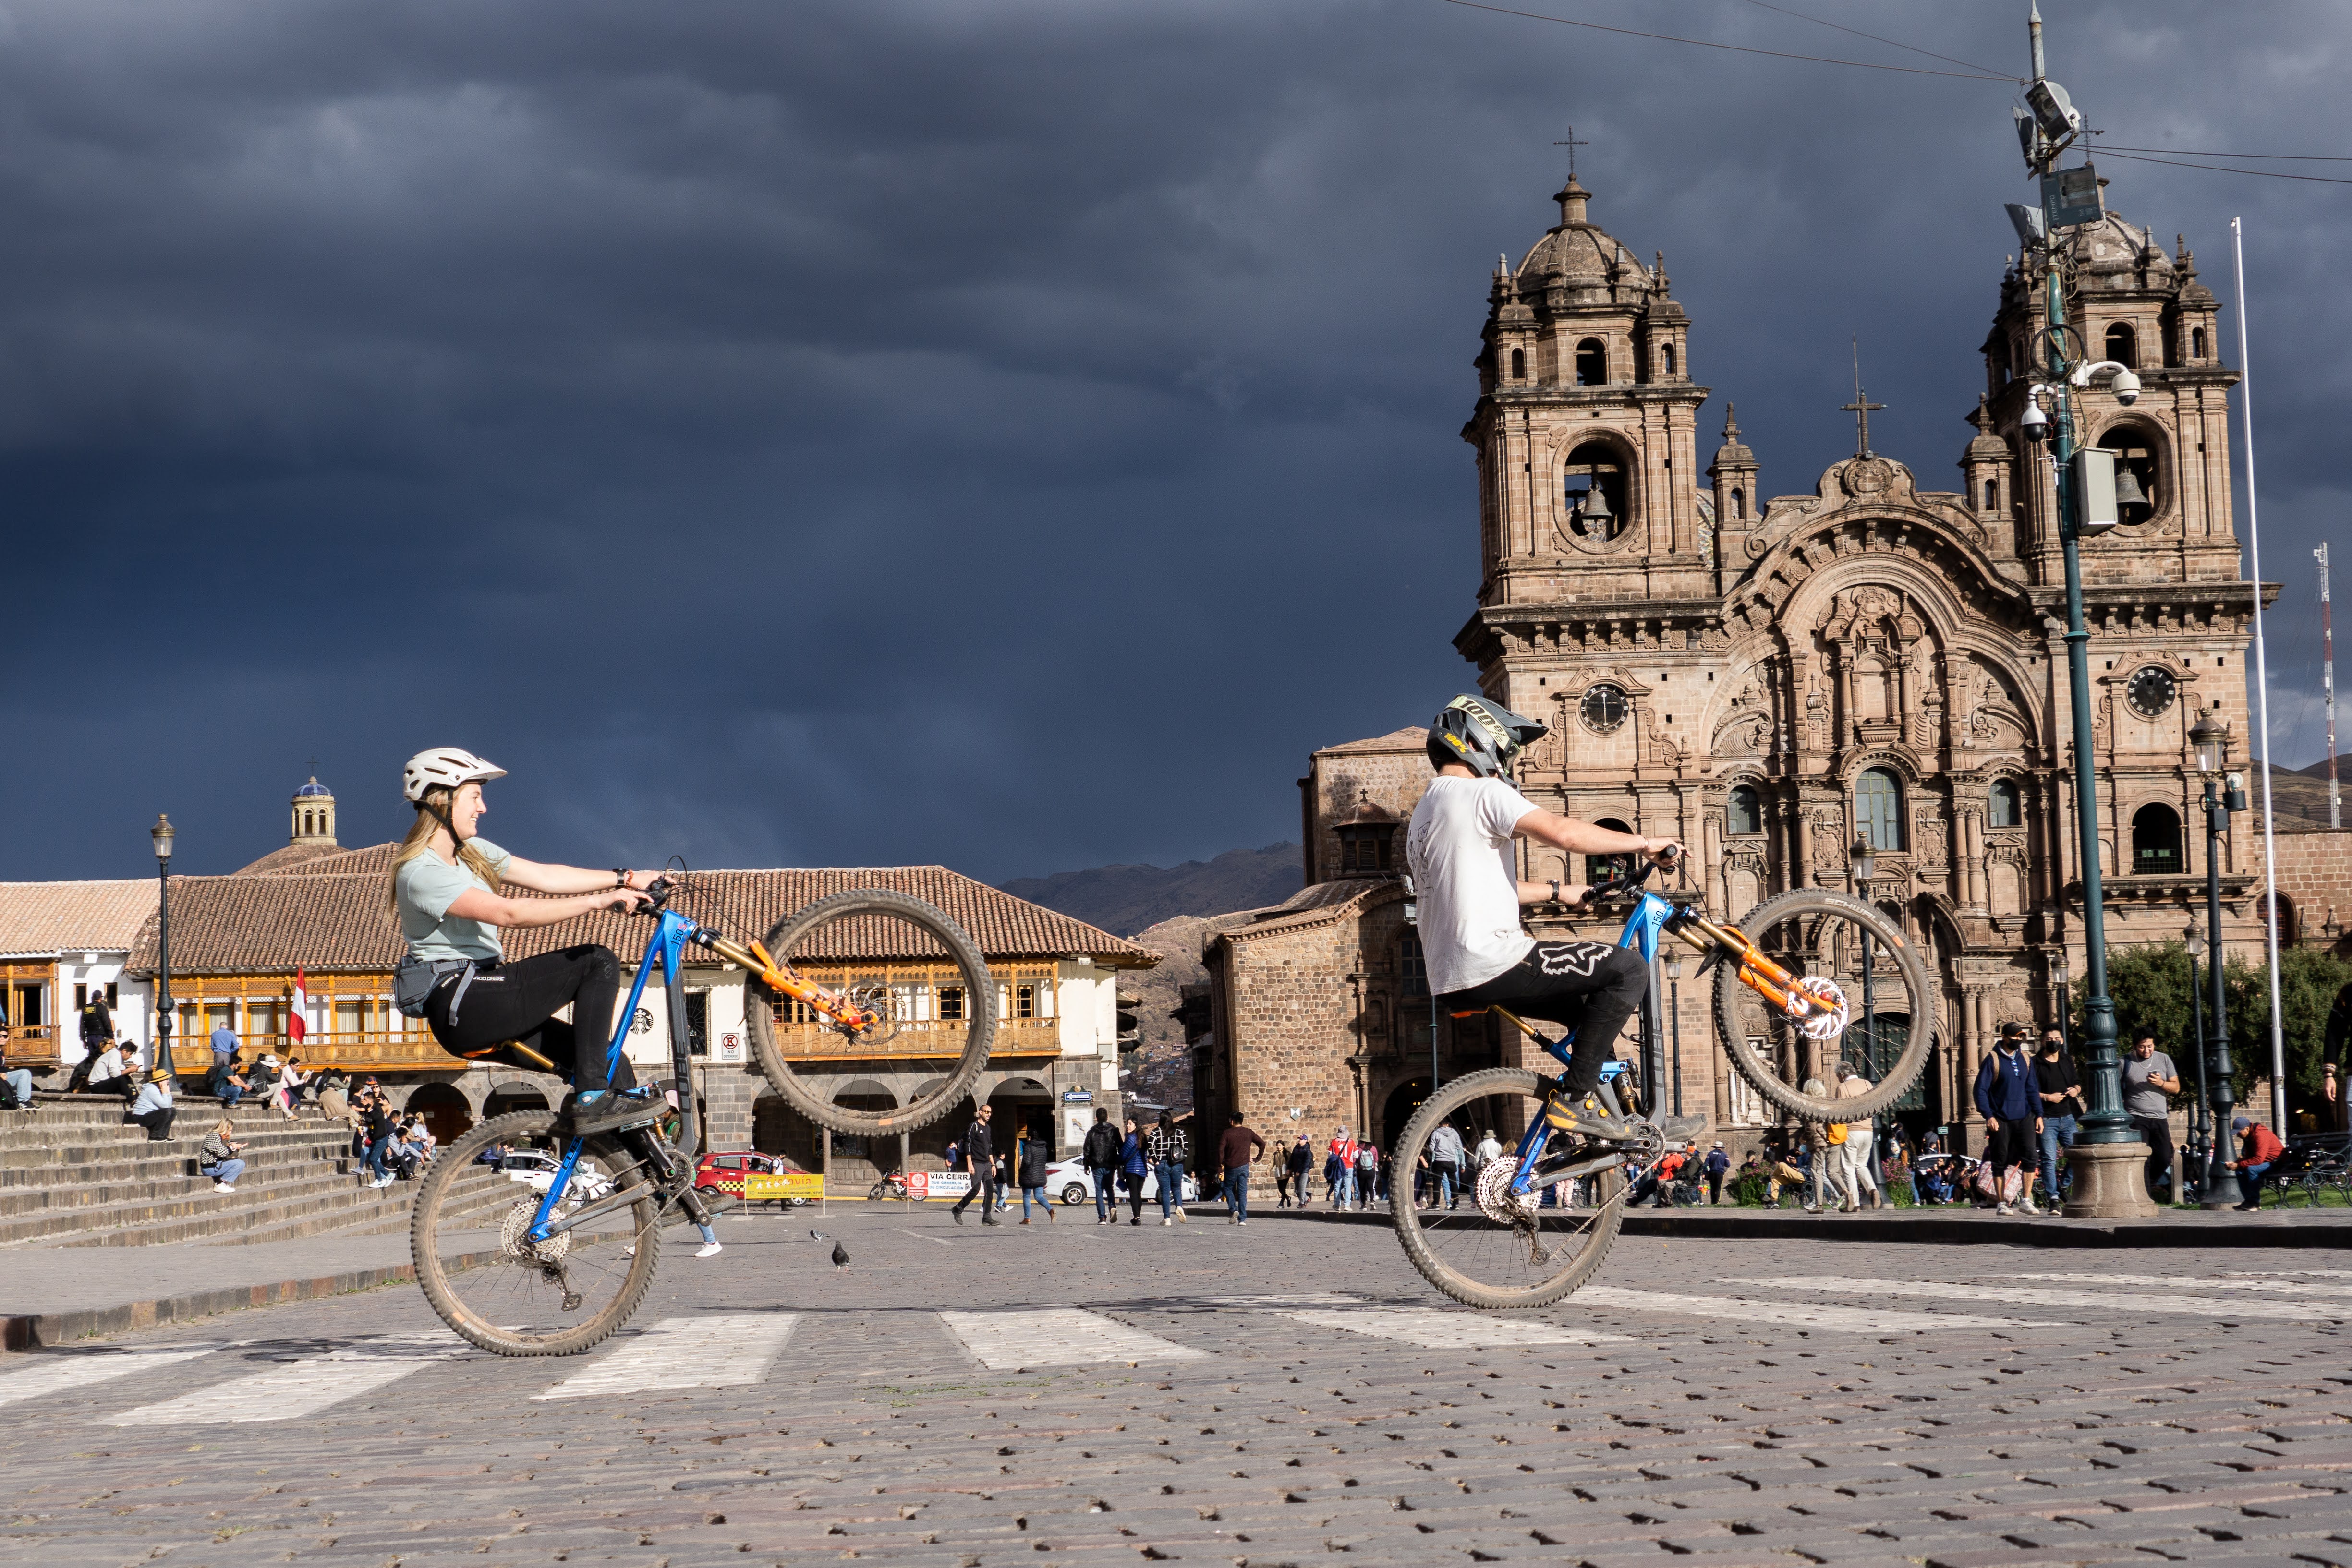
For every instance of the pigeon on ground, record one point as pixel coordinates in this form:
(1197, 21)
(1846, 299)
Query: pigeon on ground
(816, 1235)
(840, 1256)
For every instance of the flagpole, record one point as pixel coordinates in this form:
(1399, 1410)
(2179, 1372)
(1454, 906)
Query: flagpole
(2262, 695)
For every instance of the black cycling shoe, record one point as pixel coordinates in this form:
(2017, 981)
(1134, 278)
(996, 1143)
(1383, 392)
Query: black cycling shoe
(610, 1111)
(1681, 1129)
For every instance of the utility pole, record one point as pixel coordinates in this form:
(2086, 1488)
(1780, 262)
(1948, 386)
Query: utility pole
(2109, 1156)
(2328, 684)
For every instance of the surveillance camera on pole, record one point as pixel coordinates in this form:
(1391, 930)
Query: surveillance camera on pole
(2127, 385)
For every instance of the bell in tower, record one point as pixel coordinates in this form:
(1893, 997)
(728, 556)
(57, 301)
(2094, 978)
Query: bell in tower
(313, 816)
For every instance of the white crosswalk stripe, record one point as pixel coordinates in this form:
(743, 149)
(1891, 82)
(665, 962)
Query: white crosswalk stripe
(1435, 1329)
(2201, 1283)
(297, 1388)
(1057, 1336)
(686, 1353)
(61, 1373)
(1732, 1310)
(2122, 1302)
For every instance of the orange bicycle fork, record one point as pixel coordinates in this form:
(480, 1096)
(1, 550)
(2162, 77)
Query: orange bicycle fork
(834, 1010)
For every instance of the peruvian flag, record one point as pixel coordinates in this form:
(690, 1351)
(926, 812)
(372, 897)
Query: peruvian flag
(295, 1027)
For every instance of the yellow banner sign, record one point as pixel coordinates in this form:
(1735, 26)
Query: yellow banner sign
(771, 1188)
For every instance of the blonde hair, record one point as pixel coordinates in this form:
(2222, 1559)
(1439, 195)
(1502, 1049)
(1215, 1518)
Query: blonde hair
(430, 814)
(224, 1127)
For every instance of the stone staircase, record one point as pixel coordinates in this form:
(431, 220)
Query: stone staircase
(73, 1173)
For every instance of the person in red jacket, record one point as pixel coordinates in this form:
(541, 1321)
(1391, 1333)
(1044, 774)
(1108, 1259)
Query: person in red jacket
(2258, 1149)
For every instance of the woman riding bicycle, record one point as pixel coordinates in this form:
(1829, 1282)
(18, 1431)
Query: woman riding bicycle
(448, 887)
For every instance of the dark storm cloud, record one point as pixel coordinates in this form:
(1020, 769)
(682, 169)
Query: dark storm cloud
(1009, 436)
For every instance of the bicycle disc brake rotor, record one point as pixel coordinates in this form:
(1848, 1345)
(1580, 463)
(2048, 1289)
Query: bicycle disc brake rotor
(1828, 1018)
(514, 1233)
(873, 998)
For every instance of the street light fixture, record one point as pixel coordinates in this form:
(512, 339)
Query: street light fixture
(2210, 738)
(159, 1065)
(1675, 1007)
(2200, 1130)
(1864, 857)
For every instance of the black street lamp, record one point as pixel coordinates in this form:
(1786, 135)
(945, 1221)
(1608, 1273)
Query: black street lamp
(1864, 856)
(2212, 743)
(1675, 1006)
(2200, 1130)
(160, 1064)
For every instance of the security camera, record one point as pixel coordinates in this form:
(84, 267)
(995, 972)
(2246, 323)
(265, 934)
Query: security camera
(2127, 388)
(2036, 422)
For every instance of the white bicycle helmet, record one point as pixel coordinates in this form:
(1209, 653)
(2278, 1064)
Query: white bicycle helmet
(446, 767)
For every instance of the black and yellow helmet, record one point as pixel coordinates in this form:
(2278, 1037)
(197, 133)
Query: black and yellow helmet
(1482, 736)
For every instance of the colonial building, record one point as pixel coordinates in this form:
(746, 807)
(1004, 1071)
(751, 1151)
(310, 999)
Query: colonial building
(1768, 681)
(60, 944)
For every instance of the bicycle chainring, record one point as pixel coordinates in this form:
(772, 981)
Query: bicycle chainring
(514, 1243)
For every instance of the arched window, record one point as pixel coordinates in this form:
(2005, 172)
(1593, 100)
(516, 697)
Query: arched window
(2138, 478)
(1605, 868)
(1592, 363)
(1670, 359)
(1992, 494)
(2123, 345)
(1595, 492)
(2196, 342)
(1518, 365)
(1738, 503)
(1878, 808)
(2001, 805)
(1742, 811)
(2156, 841)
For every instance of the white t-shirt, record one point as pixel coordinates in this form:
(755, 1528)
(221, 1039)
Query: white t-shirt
(1466, 878)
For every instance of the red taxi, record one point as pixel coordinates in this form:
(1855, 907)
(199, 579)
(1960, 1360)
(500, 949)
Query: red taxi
(724, 1172)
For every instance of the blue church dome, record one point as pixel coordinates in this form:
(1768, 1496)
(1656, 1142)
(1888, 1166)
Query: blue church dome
(314, 787)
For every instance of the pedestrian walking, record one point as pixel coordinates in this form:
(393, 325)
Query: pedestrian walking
(1100, 1152)
(2258, 1150)
(1821, 1141)
(1133, 1168)
(2150, 1080)
(1165, 1148)
(1340, 1169)
(218, 1158)
(1445, 1157)
(151, 1107)
(1033, 1160)
(1367, 1174)
(378, 1125)
(2061, 1103)
(1295, 1163)
(1717, 1166)
(1236, 1150)
(982, 1156)
(1855, 1151)
(2007, 1099)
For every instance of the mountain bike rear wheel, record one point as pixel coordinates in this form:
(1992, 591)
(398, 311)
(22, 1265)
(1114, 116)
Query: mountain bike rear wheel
(512, 1296)
(1493, 1251)
(1819, 934)
(893, 947)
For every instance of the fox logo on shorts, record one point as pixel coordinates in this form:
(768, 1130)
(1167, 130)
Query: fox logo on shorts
(1570, 957)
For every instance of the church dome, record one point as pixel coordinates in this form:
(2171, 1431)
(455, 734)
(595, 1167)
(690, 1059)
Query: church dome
(313, 787)
(2116, 253)
(1580, 251)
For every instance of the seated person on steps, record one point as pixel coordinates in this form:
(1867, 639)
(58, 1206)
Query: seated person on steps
(1465, 875)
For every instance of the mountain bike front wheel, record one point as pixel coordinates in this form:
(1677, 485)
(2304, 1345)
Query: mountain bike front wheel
(1495, 1250)
(513, 1296)
(1887, 1017)
(895, 955)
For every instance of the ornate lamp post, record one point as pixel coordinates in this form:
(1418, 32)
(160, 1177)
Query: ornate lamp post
(2212, 743)
(1675, 1006)
(160, 1065)
(1864, 857)
(2200, 1131)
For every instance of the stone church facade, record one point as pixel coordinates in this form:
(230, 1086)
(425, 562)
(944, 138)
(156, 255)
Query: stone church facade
(1769, 680)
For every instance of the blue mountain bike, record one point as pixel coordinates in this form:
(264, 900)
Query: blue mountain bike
(1809, 981)
(531, 1241)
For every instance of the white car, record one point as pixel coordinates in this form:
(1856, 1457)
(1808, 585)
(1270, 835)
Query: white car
(537, 1172)
(1073, 1182)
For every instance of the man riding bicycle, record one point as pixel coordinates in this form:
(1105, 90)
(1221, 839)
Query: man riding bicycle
(1466, 876)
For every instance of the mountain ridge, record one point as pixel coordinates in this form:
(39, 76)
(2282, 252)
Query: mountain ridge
(1127, 899)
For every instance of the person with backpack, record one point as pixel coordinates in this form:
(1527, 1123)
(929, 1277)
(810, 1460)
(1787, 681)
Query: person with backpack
(2009, 1097)
(1367, 1174)
(1298, 1164)
(1339, 1169)
(1029, 1157)
(1164, 1149)
(1444, 1154)
(981, 1156)
(1717, 1166)
(2258, 1149)
(1100, 1152)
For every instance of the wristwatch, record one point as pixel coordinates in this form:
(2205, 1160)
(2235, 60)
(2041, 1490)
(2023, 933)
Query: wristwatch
(620, 878)
(1555, 890)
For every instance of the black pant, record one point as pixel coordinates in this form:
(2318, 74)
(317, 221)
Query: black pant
(2158, 1130)
(517, 1001)
(1715, 1186)
(2013, 1143)
(984, 1187)
(1134, 1180)
(157, 1122)
(1591, 987)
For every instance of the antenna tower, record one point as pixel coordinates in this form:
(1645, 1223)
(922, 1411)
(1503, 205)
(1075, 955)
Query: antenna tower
(2328, 684)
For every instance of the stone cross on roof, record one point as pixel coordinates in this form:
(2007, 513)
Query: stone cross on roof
(1572, 144)
(1862, 408)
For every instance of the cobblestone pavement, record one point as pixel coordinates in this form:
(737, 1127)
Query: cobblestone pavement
(1253, 1396)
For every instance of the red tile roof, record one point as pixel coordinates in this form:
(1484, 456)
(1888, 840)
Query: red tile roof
(330, 920)
(41, 917)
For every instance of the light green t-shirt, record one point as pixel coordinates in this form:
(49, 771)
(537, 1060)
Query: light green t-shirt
(426, 888)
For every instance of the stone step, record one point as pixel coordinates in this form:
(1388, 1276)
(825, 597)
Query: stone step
(17, 1165)
(181, 1179)
(178, 1201)
(258, 1215)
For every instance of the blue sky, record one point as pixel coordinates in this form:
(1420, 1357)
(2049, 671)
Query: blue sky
(1009, 435)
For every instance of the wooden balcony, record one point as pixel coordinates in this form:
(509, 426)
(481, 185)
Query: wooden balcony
(917, 1038)
(368, 1051)
(32, 1045)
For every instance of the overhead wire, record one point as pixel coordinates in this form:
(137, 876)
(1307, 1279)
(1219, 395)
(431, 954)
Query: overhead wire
(2259, 157)
(1890, 43)
(1972, 75)
(2218, 169)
